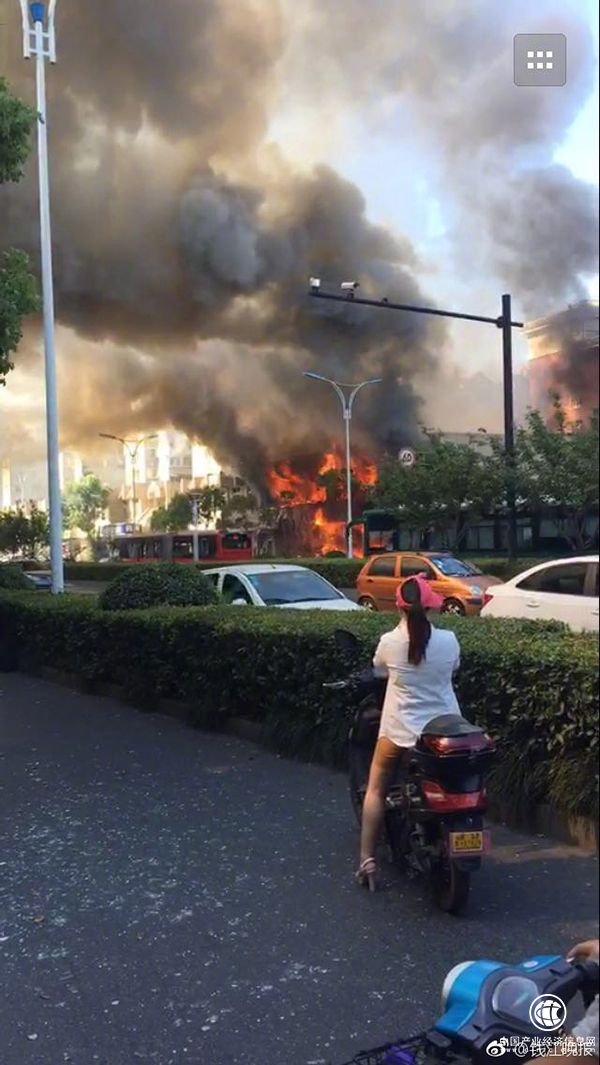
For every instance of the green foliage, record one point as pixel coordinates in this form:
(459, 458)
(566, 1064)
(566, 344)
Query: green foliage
(18, 290)
(239, 512)
(558, 464)
(85, 502)
(210, 502)
(175, 517)
(13, 578)
(22, 533)
(164, 584)
(18, 298)
(16, 123)
(449, 486)
(531, 686)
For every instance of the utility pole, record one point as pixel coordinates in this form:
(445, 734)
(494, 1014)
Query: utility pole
(505, 323)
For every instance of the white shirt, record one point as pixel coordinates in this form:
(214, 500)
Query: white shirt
(416, 694)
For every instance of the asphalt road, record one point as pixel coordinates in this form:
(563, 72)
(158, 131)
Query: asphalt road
(171, 896)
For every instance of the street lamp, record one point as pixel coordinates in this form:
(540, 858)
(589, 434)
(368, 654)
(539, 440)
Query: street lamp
(347, 401)
(39, 41)
(132, 447)
(503, 322)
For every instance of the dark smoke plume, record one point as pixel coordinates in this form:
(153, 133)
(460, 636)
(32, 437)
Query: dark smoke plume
(183, 241)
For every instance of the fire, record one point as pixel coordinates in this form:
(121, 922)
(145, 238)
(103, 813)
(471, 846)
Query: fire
(291, 489)
(332, 533)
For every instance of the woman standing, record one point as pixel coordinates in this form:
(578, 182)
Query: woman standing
(419, 662)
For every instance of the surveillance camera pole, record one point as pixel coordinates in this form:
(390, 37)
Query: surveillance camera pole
(503, 322)
(39, 41)
(347, 402)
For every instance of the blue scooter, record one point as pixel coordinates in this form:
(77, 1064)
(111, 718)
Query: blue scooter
(491, 1010)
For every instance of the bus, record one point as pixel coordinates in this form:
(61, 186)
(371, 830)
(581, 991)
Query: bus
(197, 546)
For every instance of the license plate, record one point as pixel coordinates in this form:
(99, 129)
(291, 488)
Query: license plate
(467, 842)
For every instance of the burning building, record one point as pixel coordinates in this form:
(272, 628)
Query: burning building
(564, 360)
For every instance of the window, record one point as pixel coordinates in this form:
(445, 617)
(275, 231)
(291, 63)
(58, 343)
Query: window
(183, 547)
(409, 567)
(480, 538)
(206, 546)
(212, 578)
(383, 567)
(234, 589)
(567, 579)
(235, 542)
(278, 587)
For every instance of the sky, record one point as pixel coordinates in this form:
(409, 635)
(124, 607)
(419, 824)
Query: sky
(322, 108)
(404, 191)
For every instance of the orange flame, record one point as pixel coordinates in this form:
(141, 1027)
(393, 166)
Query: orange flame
(290, 489)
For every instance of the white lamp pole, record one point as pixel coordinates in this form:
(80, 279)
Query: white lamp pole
(39, 41)
(347, 401)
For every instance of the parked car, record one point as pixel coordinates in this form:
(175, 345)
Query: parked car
(563, 590)
(42, 582)
(278, 585)
(461, 584)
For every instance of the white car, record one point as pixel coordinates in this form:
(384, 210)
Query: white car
(566, 590)
(272, 584)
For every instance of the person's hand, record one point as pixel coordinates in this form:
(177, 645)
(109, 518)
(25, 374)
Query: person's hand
(590, 949)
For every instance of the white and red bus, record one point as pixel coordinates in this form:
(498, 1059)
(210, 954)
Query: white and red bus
(197, 546)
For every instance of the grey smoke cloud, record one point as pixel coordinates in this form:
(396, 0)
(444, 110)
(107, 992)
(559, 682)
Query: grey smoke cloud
(182, 245)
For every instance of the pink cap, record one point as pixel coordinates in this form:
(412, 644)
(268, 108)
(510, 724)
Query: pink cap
(428, 599)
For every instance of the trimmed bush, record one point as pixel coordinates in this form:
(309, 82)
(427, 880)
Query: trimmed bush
(164, 584)
(341, 572)
(12, 577)
(532, 686)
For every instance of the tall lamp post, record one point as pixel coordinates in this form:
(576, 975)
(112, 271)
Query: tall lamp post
(39, 41)
(505, 323)
(132, 448)
(346, 394)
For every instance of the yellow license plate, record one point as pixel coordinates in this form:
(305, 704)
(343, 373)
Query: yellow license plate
(466, 842)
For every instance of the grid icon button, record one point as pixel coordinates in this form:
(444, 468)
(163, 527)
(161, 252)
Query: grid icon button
(540, 59)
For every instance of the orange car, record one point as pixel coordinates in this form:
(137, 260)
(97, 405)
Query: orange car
(461, 584)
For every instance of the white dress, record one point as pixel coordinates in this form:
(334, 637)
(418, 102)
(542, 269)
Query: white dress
(416, 694)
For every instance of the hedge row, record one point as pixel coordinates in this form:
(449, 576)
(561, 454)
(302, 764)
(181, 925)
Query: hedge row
(533, 686)
(342, 572)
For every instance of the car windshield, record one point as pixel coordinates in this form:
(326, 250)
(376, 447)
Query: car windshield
(453, 567)
(291, 586)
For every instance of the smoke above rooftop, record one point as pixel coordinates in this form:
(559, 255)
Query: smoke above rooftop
(183, 236)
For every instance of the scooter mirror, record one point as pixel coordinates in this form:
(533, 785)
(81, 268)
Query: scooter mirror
(346, 642)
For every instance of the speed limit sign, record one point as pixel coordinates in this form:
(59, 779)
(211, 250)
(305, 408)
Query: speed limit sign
(407, 457)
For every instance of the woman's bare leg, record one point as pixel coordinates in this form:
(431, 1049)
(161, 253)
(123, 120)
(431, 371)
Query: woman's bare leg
(385, 759)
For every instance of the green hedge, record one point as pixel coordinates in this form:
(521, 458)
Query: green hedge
(342, 572)
(163, 584)
(533, 686)
(13, 578)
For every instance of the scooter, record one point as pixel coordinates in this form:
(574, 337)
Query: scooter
(491, 1010)
(434, 817)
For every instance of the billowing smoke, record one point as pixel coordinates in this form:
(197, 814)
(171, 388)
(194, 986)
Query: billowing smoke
(184, 238)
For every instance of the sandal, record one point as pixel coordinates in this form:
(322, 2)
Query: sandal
(367, 874)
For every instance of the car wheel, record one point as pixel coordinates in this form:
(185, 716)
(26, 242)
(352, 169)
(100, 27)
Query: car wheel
(453, 606)
(367, 603)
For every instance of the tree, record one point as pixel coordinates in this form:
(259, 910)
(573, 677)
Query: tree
(210, 502)
(240, 511)
(18, 290)
(23, 534)
(84, 503)
(557, 468)
(173, 518)
(449, 486)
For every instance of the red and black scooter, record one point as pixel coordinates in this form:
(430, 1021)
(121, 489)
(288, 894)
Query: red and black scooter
(434, 821)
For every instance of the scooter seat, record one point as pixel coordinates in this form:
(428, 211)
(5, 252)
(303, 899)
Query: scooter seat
(451, 725)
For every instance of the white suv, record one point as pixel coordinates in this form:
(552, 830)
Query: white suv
(565, 590)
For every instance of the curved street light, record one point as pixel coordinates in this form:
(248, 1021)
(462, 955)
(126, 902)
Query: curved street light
(346, 399)
(132, 447)
(39, 41)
